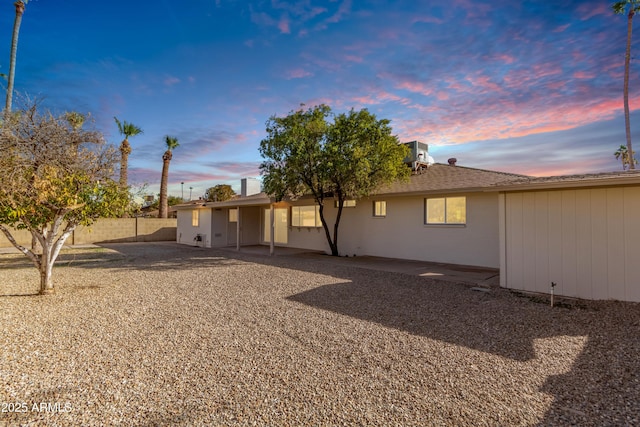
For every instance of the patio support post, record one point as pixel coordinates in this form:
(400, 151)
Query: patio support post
(272, 227)
(238, 229)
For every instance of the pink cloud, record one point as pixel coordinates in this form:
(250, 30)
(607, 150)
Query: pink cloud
(583, 75)
(503, 120)
(507, 59)
(484, 83)
(427, 20)
(561, 28)
(343, 10)
(353, 58)
(380, 97)
(283, 25)
(170, 81)
(298, 73)
(415, 87)
(589, 10)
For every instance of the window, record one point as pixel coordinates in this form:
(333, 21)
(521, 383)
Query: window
(195, 218)
(446, 210)
(305, 216)
(233, 215)
(346, 204)
(379, 209)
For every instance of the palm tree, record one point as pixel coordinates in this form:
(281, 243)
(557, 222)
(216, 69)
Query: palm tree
(172, 143)
(620, 7)
(19, 4)
(623, 154)
(126, 129)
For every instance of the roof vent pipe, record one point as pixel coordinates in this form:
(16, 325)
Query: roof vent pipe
(452, 161)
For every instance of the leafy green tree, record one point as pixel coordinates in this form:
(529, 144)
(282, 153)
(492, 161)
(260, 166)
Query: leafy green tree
(171, 201)
(19, 5)
(54, 177)
(348, 158)
(219, 193)
(629, 7)
(622, 154)
(126, 129)
(172, 143)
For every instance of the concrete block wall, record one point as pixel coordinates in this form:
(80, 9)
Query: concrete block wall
(23, 237)
(110, 230)
(105, 230)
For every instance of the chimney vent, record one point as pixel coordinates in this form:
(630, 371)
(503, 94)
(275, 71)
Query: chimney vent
(249, 186)
(452, 161)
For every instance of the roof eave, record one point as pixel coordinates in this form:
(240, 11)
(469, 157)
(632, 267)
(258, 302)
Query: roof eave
(584, 183)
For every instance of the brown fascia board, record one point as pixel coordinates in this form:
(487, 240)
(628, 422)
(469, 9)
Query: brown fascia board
(182, 207)
(253, 200)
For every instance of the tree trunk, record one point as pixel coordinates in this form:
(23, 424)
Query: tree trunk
(125, 150)
(337, 223)
(627, 59)
(14, 49)
(50, 250)
(332, 245)
(46, 268)
(163, 209)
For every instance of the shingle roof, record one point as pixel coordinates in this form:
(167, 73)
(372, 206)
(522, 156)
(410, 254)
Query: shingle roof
(440, 178)
(579, 180)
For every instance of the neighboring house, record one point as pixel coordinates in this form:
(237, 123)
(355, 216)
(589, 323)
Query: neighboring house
(581, 232)
(443, 214)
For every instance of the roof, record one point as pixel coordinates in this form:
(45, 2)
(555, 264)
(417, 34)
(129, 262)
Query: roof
(630, 177)
(438, 178)
(441, 178)
(189, 205)
(252, 200)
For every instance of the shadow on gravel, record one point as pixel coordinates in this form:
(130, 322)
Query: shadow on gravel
(603, 386)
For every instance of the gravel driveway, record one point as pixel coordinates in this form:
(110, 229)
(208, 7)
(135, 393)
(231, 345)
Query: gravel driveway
(161, 334)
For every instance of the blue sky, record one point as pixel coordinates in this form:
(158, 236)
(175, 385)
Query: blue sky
(530, 87)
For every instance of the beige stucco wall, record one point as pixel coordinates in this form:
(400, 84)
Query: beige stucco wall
(219, 232)
(219, 229)
(585, 240)
(403, 234)
(186, 232)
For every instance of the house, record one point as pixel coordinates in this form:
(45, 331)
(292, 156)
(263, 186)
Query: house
(443, 214)
(580, 232)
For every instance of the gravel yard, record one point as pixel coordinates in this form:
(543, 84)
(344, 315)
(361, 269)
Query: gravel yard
(162, 334)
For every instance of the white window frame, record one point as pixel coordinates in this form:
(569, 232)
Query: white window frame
(379, 208)
(195, 218)
(446, 201)
(297, 212)
(347, 204)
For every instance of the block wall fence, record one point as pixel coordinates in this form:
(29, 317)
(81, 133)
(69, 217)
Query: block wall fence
(110, 230)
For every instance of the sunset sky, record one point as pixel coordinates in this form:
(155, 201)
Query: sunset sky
(532, 87)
